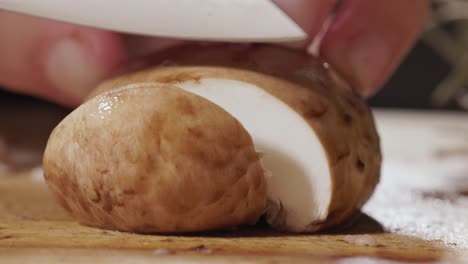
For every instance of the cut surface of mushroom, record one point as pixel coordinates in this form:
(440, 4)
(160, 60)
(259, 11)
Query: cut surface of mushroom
(300, 183)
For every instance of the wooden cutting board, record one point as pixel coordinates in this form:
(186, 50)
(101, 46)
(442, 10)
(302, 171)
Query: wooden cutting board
(419, 212)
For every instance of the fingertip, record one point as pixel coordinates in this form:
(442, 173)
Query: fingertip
(368, 39)
(58, 62)
(76, 62)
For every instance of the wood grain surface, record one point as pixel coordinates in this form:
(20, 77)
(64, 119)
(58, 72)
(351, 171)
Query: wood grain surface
(31, 224)
(418, 214)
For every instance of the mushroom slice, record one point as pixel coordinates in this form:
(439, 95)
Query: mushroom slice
(300, 185)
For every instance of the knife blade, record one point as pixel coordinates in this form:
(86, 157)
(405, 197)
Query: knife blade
(209, 20)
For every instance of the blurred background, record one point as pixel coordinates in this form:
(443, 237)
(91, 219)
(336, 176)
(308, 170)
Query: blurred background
(435, 73)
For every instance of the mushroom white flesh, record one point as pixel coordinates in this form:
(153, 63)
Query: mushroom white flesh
(300, 182)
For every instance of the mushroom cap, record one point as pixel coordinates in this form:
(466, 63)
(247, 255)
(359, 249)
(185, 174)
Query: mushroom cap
(343, 168)
(150, 157)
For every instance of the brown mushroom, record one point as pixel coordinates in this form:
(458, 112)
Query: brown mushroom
(318, 137)
(150, 157)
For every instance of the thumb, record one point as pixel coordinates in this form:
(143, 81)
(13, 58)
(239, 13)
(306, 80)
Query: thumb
(56, 61)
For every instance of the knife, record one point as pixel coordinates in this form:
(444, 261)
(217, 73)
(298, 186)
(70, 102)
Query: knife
(208, 20)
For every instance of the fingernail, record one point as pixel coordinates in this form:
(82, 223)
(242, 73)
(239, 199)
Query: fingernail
(71, 69)
(370, 61)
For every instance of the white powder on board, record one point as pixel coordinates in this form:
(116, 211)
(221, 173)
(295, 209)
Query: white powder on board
(399, 203)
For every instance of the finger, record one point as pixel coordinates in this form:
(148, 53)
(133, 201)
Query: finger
(56, 61)
(368, 39)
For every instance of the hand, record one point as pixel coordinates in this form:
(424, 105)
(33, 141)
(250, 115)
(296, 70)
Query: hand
(61, 62)
(366, 39)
